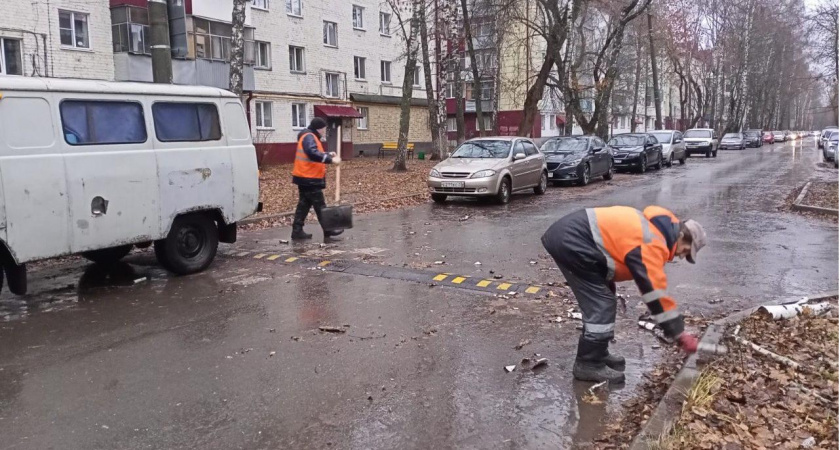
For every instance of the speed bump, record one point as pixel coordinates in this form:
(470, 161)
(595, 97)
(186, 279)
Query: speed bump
(440, 277)
(484, 283)
(272, 257)
(532, 290)
(503, 286)
(458, 280)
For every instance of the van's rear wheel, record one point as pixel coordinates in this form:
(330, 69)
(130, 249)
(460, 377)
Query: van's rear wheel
(190, 246)
(16, 277)
(108, 255)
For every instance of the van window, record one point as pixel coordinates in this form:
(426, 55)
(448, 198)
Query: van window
(87, 122)
(26, 123)
(176, 122)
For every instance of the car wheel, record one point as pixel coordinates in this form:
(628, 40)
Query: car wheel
(503, 196)
(671, 160)
(108, 255)
(643, 164)
(610, 172)
(543, 186)
(438, 198)
(682, 160)
(16, 277)
(584, 176)
(658, 165)
(708, 153)
(190, 245)
(714, 154)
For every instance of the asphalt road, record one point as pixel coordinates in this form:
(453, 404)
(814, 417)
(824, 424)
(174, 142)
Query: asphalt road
(234, 358)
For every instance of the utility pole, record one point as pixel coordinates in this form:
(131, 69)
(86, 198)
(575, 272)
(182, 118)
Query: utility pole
(654, 70)
(159, 40)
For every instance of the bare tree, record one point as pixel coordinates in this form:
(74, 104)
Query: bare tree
(654, 72)
(432, 103)
(237, 47)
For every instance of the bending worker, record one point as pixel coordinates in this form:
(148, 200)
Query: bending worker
(309, 174)
(596, 247)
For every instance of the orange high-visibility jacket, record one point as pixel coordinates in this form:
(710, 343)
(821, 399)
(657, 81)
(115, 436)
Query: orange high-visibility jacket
(305, 167)
(637, 245)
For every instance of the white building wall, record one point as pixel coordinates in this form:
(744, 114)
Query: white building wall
(33, 22)
(282, 87)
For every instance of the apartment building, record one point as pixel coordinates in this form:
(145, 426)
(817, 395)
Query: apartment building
(341, 60)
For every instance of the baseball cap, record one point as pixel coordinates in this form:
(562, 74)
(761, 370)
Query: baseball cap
(698, 238)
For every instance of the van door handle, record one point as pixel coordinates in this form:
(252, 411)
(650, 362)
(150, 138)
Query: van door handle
(98, 206)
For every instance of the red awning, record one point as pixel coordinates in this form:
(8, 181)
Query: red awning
(336, 111)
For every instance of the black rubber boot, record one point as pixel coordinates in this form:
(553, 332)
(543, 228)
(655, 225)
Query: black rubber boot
(300, 235)
(591, 363)
(615, 362)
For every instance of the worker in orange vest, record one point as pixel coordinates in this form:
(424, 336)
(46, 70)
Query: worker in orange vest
(309, 174)
(596, 247)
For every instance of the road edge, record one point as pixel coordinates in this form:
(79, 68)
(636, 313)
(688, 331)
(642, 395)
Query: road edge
(253, 220)
(799, 206)
(667, 410)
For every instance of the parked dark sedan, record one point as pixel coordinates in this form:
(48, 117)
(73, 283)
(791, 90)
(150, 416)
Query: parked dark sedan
(636, 151)
(577, 159)
(753, 138)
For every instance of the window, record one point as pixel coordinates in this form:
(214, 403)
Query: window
(177, 122)
(293, 7)
(130, 30)
(385, 71)
(417, 74)
(362, 122)
(298, 115)
(358, 17)
(260, 4)
(488, 123)
(487, 90)
(87, 122)
(212, 40)
(530, 149)
(359, 67)
(450, 89)
(331, 82)
(296, 59)
(263, 115)
(263, 60)
(73, 29)
(483, 29)
(384, 24)
(330, 34)
(451, 124)
(10, 61)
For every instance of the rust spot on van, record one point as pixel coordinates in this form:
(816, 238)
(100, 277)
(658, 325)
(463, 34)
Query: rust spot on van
(82, 224)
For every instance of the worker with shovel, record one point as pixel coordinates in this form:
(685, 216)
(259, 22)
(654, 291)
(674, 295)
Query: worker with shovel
(596, 247)
(309, 174)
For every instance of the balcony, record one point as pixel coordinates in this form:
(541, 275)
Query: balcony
(198, 72)
(486, 106)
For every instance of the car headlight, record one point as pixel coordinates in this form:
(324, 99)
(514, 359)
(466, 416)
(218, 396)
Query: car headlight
(576, 162)
(434, 173)
(483, 174)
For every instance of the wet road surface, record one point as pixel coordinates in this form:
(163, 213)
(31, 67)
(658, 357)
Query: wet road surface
(134, 358)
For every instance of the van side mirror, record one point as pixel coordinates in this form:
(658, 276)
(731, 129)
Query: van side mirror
(518, 156)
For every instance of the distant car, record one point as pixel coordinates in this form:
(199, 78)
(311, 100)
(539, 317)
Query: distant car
(702, 141)
(673, 146)
(830, 147)
(824, 136)
(753, 138)
(779, 136)
(636, 151)
(768, 137)
(577, 159)
(789, 136)
(490, 167)
(735, 141)
(815, 133)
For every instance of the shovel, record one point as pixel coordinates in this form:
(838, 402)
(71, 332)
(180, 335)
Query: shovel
(339, 217)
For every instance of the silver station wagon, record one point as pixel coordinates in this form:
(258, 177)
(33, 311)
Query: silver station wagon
(490, 167)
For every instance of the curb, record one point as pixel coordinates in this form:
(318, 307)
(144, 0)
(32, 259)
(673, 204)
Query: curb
(252, 220)
(798, 206)
(668, 410)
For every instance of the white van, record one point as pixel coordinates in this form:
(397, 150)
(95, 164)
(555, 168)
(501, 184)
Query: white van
(97, 167)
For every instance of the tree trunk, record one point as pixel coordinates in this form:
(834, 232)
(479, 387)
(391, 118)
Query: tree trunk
(535, 94)
(479, 114)
(237, 46)
(636, 80)
(407, 90)
(654, 71)
(459, 101)
(434, 124)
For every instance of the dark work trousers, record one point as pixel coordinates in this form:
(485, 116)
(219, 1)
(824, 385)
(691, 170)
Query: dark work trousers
(569, 241)
(308, 197)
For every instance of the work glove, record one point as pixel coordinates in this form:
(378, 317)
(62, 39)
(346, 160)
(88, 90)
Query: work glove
(688, 342)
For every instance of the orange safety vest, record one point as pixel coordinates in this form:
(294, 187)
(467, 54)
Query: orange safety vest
(305, 167)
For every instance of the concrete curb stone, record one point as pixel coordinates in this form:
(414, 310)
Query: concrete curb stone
(798, 206)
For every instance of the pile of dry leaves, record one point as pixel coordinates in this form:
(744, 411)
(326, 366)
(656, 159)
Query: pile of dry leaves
(362, 180)
(822, 194)
(749, 400)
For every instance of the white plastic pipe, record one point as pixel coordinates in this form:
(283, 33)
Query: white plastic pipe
(337, 159)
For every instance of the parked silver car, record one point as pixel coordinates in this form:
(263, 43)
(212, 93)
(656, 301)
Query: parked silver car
(673, 146)
(735, 141)
(824, 135)
(490, 167)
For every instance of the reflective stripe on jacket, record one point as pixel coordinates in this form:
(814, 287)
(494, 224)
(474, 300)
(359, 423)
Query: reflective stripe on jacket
(304, 166)
(636, 246)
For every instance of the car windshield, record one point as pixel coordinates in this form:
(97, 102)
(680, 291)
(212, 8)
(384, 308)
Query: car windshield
(834, 136)
(698, 134)
(732, 136)
(663, 138)
(483, 149)
(628, 140)
(779, 132)
(565, 146)
(752, 133)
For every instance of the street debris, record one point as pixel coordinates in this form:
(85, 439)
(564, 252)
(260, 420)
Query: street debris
(497, 277)
(295, 338)
(522, 344)
(715, 301)
(650, 326)
(142, 279)
(541, 362)
(437, 263)
(331, 329)
(596, 386)
(271, 353)
(778, 312)
(575, 315)
(533, 262)
(462, 219)
(557, 319)
(510, 369)
(284, 241)
(477, 263)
